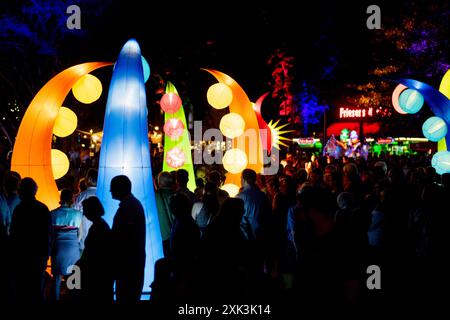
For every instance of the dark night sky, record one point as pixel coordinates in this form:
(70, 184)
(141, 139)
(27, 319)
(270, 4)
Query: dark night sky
(180, 39)
(234, 37)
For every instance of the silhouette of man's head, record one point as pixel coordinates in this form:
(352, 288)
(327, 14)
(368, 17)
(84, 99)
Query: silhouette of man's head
(199, 183)
(92, 208)
(11, 182)
(165, 180)
(120, 187)
(27, 189)
(249, 177)
(182, 177)
(91, 177)
(215, 177)
(66, 197)
(180, 205)
(82, 184)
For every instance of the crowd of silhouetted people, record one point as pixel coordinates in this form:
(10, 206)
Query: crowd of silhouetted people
(305, 235)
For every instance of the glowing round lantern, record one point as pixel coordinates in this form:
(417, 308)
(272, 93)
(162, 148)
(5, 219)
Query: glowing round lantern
(441, 162)
(170, 102)
(235, 160)
(175, 158)
(60, 163)
(219, 95)
(395, 95)
(434, 129)
(88, 89)
(232, 125)
(65, 123)
(411, 101)
(146, 68)
(174, 128)
(231, 188)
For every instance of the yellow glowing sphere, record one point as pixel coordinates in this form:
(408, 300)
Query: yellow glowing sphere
(235, 160)
(65, 123)
(88, 89)
(219, 95)
(231, 188)
(232, 125)
(60, 163)
(444, 87)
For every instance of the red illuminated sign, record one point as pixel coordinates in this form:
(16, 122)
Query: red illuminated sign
(304, 141)
(355, 113)
(385, 141)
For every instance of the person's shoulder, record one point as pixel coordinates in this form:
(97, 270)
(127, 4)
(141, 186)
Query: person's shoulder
(223, 193)
(136, 202)
(103, 226)
(55, 211)
(42, 206)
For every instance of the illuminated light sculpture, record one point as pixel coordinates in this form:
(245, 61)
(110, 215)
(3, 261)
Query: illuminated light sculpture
(441, 162)
(66, 123)
(172, 160)
(175, 158)
(410, 101)
(146, 69)
(395, 95)
(170, 102)
(87, 89)
(60, 163)
(276, 134)
(219, 95)
(232, 125)
(232, 189)
(264, 130)
(444, 88)
(125, 148)
(271, 133)
(240, 104)
(434, 129)
(31, 154)
(258, 136)
(235, 160)
(174, 128)
(439, 103)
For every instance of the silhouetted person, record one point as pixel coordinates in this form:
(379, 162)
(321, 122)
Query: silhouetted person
(216, 178)
(328, 270)
(226, 254)
(10, 195)
(199, 185)
(185, 235)
(129, 242)
(205, 210)
(184, 245)
(65, 249)
(91, 191)
(256, 205)
(6, 288)
(257, 210)
(96, 262)
(165, 216)
(30, 243)
(182, 177)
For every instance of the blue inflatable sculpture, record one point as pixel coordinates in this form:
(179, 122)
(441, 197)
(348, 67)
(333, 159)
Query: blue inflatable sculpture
(408, 98)
(125, 148)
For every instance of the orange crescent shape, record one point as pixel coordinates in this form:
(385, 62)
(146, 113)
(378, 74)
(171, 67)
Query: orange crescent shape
(242, 106)
(31, 154)
(395, 95)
